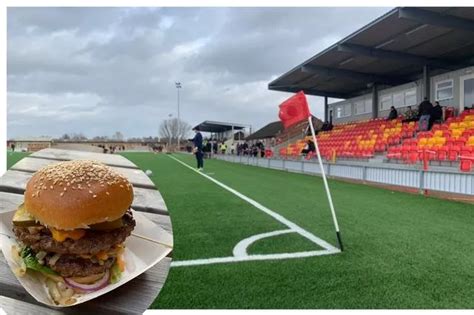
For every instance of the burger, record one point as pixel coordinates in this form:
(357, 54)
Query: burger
(72, 226)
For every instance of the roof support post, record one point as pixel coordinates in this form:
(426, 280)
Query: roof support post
(375, 101)
(426, 82)
(326, 109)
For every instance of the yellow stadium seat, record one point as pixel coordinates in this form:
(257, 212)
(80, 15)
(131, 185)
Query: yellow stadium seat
(457, 132)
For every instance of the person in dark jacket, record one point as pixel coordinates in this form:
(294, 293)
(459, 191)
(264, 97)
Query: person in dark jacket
(436, 114)
(197, 141)
(424, 113)
(214, 146)
(310, 147)
(393, 114)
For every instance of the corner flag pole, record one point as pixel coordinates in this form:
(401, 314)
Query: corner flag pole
(328, 193)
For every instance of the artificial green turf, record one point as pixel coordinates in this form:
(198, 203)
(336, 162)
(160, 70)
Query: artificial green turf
(285, 243)
(13, 157)
(212, 220)
(402, 250)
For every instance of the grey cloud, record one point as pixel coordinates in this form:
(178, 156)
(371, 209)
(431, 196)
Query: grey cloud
(99, 70)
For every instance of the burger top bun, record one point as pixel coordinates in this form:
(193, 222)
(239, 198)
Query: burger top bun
(76, 194)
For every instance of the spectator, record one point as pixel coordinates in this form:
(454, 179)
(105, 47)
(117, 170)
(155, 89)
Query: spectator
(208, 147)
(410, 115)
(424, 113)
(330, 125)
(325, 126)
(214, 146)
(223, 148)
(436, 114)
(245, 148)
(232, 148)
(393, 114)
(254, 150)
(310, 147)
(239, 149)
(12, 146)
(197, 141)
(260, 149)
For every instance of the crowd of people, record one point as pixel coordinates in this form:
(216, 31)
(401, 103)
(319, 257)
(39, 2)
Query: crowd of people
(426, 115)
(256, 149)
(111, 148)
(251, 148)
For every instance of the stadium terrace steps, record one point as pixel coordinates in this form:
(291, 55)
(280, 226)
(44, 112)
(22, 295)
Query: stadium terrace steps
(450, 144)
(359, 140)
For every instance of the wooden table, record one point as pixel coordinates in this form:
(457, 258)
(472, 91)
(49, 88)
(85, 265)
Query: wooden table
(133, 297)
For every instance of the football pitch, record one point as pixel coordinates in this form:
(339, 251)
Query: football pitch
(248, 237)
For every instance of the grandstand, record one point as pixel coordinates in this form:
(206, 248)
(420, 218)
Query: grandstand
(451, 141)
(399, 59)
(355, 140)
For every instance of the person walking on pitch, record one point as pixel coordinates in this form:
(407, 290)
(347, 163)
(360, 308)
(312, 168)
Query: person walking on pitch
(197, 141)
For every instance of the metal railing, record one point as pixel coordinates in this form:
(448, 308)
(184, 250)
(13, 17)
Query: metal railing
(442, 180)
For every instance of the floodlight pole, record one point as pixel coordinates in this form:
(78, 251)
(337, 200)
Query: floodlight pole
(178, 87)
(326, 186)
(169, 142)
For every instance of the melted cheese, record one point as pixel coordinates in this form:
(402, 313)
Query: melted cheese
(102, 255)
(121, 262)
(61, 236)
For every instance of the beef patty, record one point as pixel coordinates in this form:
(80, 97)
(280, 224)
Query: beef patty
(72, 266)
(91, 243)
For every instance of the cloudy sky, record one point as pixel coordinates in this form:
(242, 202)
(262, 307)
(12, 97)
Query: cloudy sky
(101, 70)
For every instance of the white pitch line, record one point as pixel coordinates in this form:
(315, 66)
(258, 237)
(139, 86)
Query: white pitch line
(240, 250)
(232, 259)
(273, 214)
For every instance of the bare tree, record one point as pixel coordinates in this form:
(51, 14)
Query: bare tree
(134, 139)
(100, 138)
(117, 136)
(65, 137)
(78, 136)
(171, 129)
(73, 136)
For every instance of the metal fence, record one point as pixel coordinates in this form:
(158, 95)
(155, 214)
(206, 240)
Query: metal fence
(390, 174)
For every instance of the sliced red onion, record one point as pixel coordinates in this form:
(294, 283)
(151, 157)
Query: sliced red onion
(99, 284)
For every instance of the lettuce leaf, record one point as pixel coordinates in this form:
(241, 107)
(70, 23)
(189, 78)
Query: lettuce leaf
(115, 274)
(31, 262)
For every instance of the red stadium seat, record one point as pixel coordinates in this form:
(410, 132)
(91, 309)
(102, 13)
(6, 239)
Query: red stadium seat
(466, 163)
(412, 157)
(453, 153)
(268, 153)
(442, 154)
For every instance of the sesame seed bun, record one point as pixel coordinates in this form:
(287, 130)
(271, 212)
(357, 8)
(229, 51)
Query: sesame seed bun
(75, 194)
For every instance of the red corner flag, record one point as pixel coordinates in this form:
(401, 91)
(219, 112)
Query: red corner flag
(294, 110)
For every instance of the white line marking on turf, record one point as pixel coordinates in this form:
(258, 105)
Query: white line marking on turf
(273, 214)
(240, 250)
(232, 259)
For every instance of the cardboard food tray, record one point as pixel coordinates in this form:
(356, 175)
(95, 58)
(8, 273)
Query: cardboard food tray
(148, 245)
